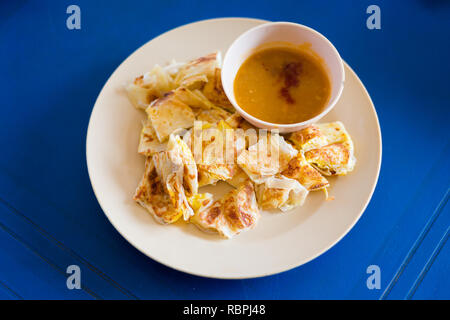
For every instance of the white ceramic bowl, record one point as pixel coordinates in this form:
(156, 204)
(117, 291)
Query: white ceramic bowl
(282, 32)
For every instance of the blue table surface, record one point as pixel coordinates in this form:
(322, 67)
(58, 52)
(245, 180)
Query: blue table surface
(49, 217)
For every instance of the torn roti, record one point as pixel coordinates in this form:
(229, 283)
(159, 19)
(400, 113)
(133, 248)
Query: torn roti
(181, 152)
(213, 115)
(269, 156)
(215, 149)
(327, 146)
(300, 170)
(198, 71)
(333, 159)
(319, 135)
(168, 114)
(151, 195)
(236, 212)
(279, 192)
(213, 90)
(200, 201)
(148, 142)
(178, 173)
(237, 121)
(151, 85)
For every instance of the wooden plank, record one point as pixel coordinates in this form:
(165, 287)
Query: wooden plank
(46, 246)
(431, 282)
(25, 273)
(429, 243)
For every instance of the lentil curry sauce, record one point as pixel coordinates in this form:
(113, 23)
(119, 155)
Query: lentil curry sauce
(282, 85)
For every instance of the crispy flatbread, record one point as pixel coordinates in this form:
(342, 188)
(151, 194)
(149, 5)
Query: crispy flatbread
(236, 212)
(198, 71)
(333, 159)
(214, 163)
(140, 97)
(269, 156)
(327, 146)
(193, 98)
(169, 167)
(168, 114)
(213, 90)
(200, 201)
(238, 178)
(150, 86)
(279, 192)
(213, 115)
(236, 121)
(151, 195)
(181, 151)
(319, 135)
(300, 170)
(148, 142)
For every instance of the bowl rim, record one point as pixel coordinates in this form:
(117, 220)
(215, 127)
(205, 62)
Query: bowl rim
(251, 118)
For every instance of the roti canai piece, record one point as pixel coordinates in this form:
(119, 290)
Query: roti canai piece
(204, 178)
(319, 135)
(208, 173)
(182, 152)
(333, 159)
(152, 85)
(151, 195)
(197, 72)
(200, 201)
(238, 178)
(237, 121)
(204, 110)
(300, 170)
(327, 146)
(140, 97)
(175, 174)
(236, 212)
(213, 115)
(211, 219)
(280, 192)
(193, 98)
(213, 90)
(148, 142)
(269, 156)
(168, 114)
(233, 141)
(215, 164)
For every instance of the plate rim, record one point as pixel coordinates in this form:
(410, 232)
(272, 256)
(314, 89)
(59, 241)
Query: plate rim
(285, 268)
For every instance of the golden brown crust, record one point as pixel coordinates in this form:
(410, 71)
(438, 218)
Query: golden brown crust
(330, 159)
(213, 90)
(271, 198)
(304, 173)
(212, 214)
(204, 59)
(333, 153)
(151, 195)
(301, 137)
(239, 205)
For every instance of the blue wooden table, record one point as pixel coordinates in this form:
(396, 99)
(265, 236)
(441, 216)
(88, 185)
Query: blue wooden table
(50, 77)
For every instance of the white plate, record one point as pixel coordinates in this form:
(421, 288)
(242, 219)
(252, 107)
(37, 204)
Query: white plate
(280, 241)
